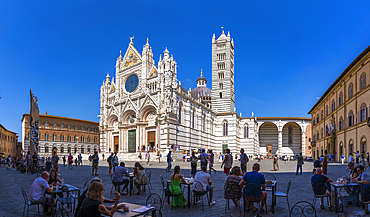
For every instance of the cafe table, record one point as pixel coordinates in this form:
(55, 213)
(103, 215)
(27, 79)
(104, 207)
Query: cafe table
(130, 212)
(189, 182)
(59, 190)
(272, 185)
(338, 186)
(132, 176)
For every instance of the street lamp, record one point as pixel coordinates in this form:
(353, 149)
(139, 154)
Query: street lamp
(77, 145)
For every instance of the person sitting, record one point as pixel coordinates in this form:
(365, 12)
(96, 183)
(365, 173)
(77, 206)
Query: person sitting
(353, 170)
(361, 179)
(117, 178)
(233, 179)
(175, 188)
(205, 179)
(254, 177)
(54, 180)
(38, 188)
(141, 178)
(321, 188)
(105, 200)
(92, 205)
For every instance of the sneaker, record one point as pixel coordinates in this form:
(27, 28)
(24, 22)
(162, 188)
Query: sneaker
(198, 202)
(212, 203)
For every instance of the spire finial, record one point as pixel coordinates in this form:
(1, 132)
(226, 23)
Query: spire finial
(201, 72)
(222, 27)
(147, 40)
(132, 38)
(120, 53)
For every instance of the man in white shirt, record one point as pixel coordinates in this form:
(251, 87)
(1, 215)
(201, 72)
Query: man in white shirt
(38, 188)
(350, 158)
(206, 184)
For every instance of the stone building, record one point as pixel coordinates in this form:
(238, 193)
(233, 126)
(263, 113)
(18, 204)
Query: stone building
(147, 106)
(62, 135)
(8, 142)
(340, 118)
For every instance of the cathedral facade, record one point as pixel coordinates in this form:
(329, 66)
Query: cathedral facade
(146, 106)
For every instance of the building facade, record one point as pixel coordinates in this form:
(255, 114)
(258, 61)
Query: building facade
(8, 142)
(340, 118)
(62, 135)
(147, 106)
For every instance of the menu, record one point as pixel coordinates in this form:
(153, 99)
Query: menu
(142, 209)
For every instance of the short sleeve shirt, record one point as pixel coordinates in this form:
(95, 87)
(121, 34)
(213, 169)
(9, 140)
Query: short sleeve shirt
(95, 159)
(203, 178)
(70, 158)
(254, 178)
(364, 176)
(243, 158)
(211, 158)
(168, 157)
(203, 157)
(38, 189)
(319, 182)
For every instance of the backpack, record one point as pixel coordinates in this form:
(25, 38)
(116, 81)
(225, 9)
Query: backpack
(109, 158)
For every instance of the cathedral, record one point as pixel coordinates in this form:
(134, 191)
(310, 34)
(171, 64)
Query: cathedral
(146, 106)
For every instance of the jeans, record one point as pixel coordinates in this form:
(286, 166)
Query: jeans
(299, 167)
(193, 168)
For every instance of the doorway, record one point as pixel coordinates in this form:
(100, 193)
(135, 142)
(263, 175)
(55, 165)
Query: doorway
(132, 141)
(115, 143)
(54, 151)
(269, 150)
(151, 140)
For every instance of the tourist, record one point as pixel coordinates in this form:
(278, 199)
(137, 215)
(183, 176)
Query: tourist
(9, 162)
(55, 160)
(254, 177)
(115, 161)
(118, 177)
(64, 160)
(38, 188)
(141, 178)
(169, 161)
(329, 159)
(275, 163)
(158, 156)
(243, 161)
(93, 203)
(205, 179)
(95, 163)
(80, 160)
(342, 157)
(320, 188)
(350, 158)
(139, 157)
(228, 162)
(103, 156)
(70, 161)
(203, 158)
(34, 159)
(211, 162)
(233, 178)
(368, 159)
(363, 160)
(109, 160)
(147, 157)
(361, 179)
(353, 170)
(193, 163)
(357, 158)
(299, 163)
(325, 163)
(90, 159)
(54, 180)
(175, 188)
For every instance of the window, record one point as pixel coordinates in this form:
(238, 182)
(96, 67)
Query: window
(221, 66)
(95, 140)
(350, 119)
(350, 90)
(340, 123)
(95, 130)
(340, 99)
(88, 139)
(69, 149)
(131, 83)
(322, 133)
(326, 112)
(46, 124)
(76, 128)
(246, 133)
(46, 149)
(362, 81)
(204, 123)
(317, 119)
(75, 138)
(290, 134)
(69, 126)
(225, 129)
(314, 137)
(68, 139)
(46, 136)
(179, 117)
(54, 137)
(88, 129)
(221, 86)
(322, 115)
(61, 149)
(82, 150)
(62, 126)
(82, 128)
(363, 113)
(61, 138)
(220, 95)
(332, 105)
(193, 120)
(54, 125)
(82, 139)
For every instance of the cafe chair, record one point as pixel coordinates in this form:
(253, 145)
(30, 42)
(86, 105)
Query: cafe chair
(63, 211)
(282, 194)
(232, 190)
(66, 201)
(345, 195)
(199, 194)
(252, 189)
(269, 177)
(302, 208)
(154, 213)
(115, 185)
(148, 175)
(166, 193)
(154, 200)
(320, 196)
(29, 203)
(86, 185)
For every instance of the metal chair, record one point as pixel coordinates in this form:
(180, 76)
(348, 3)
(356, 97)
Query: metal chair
(270, 177)
(302, 209)
(66, 201)
(154, 213)
(232, 187)
(148, 175)
(166, 193)
(29, 203)
(86, 185)
(154, 200)
(281, 194)
(345, 195)
(63, 211)
(252, 189)
(319, 196)
(199, 194)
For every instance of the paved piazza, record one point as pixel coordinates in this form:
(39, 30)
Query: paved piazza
(12, 202)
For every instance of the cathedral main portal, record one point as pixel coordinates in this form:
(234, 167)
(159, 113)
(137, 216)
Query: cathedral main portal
(132, 141)
(151, 140)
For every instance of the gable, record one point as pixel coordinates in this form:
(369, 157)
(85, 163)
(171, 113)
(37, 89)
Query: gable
(131, 57)
(153, 73)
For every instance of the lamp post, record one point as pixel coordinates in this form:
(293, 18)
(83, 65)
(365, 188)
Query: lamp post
(77, 145)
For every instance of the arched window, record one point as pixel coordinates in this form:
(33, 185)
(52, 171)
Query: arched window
(46, 149)
(95, 140)
(350, 90)
(82, 139)
(322, 115)
(317, 135)
(75, 138)
(193, 120)
(54, 125)
(225, 129)
(317, 118)
(61, 149)
(220, 95)
(290, 134)
(363, 113)
(332, 105)
(362, 81)
(69, 126)
(95, 130)
(46, 124)
(326, 112)
(82, 128)
(322, 133)
(46, 136)
(350, 119)
(68, 139)
(62, 126)
(54, 137)
(76, 128)
(246, 132)
(340, 99)
(88, 129)
(179, 117)
(62, 138)
(88, 139)
(340, 123)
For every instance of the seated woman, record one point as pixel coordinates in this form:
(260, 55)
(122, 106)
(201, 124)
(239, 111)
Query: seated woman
(175, 188)
(93, 205)
(232, 190)
(141, 178)
(53, 180)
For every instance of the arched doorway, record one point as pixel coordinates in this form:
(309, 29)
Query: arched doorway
(268, 135)
(54, 151)
(292, 140)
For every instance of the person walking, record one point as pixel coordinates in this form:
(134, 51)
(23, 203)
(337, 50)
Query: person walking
(299, 159)
(325, 163)
(103, 156)
(357, 158)
(64, 160)
(193, 163)
(115, 161)
(70, 161)
(95, 163)
(276, 163)
(228, 162)
(342, 158)
(203, 158)
(243, 161)
(211, 161)
(110, 163)
(350, 158)
(80, 160)
(147, 157)
(169, 161)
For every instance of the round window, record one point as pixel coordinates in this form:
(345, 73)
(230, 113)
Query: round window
(131, 83)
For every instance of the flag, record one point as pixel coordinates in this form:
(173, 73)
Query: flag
(331, 127)
(327, 130)
(34, 113)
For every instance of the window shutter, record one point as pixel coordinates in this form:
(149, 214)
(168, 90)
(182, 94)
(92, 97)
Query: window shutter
(366, 112)
(347, 122)
(359, 116)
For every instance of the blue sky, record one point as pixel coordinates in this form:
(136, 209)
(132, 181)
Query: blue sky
(287, 53)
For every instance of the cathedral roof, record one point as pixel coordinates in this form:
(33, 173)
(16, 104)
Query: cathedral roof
(201, 92)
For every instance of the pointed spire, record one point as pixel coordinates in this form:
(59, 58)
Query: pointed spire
(108, 78)
(201, 72)
(160, 57)
(147, 41)
(214, 36)
(120, 54)
(232, 40)
(228, 33)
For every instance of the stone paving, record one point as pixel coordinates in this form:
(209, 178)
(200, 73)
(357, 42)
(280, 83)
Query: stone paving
(11, 201)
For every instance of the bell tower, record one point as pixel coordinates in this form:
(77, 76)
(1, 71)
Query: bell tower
(223, 94)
